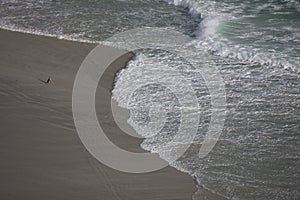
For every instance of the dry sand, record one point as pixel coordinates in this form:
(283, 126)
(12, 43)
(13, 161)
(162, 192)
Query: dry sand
(41, 155)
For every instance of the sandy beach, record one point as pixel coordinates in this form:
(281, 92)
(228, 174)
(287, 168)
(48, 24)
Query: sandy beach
(41, 154)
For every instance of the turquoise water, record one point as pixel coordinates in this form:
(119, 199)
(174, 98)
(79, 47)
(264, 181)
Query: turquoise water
(255, 45)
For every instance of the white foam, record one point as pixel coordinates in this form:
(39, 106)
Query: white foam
(167, 93)
(246, 55)
(208, 27)
(192, 6)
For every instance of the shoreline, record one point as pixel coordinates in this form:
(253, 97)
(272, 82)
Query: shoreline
(15, 30)
(43, 155)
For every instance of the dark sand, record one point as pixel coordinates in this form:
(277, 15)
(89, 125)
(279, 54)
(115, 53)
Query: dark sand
(41, 155)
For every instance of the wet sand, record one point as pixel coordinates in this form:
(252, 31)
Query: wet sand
(41, 155)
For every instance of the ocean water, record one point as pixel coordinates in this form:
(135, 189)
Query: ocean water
(254, 45)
